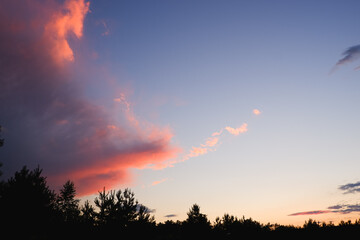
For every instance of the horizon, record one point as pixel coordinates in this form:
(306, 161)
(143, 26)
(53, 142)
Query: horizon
(245, 108)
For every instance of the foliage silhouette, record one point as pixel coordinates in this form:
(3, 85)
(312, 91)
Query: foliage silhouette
(197, 224)
(67, 204)
(88, 215)
(27, 203)
(29, 209)
(121, 211)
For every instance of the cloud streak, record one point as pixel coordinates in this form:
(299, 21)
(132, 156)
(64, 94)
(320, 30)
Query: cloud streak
(350, 187)
(339, 208)
(316, 212)
(345, 208)
(46, 114)
(158, 182)
(350, 55)
(237, 131)
(210, 145)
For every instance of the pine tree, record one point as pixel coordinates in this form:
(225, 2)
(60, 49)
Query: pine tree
(68, 205)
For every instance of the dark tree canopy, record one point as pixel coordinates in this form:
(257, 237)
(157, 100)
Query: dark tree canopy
(26, 201)
(29, 209)
(67, 204)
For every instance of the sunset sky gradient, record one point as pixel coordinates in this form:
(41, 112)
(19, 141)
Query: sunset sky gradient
(243, 107)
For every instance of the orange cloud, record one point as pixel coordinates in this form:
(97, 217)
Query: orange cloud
(149, 147)
(237, 131)
(158, 182)
(217, 133)
(211, 142)
(196, 151)
(114, 170)
(68, 20)
(256, 111)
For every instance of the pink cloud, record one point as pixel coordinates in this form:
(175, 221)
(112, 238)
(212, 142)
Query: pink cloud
(211, 142)
(158, 182)
(67, 20)
(209, 146)
(256, 111)
(237, 131)
(217, 133)
(91, 144)
(197, 151)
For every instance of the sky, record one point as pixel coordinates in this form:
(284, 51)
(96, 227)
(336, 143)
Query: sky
(244, 107)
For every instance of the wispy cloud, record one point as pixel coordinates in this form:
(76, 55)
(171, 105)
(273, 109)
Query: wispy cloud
(210, 145)
(237, 131)
(345, 208)
(338, 208)
(171, 215)
(350, 187)
(106, 28)
(256, 112)
(158, 182)
(211, 142)
(350, 55)
(316, 212)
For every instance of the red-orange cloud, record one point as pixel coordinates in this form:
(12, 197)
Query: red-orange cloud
(69, 19)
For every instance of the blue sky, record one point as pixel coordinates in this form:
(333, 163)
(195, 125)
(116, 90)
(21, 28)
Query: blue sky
(196, 67)
(201, 65)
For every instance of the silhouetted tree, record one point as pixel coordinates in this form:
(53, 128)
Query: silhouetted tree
(196, 224)
(195, 217)
(227, 227)
(144, 216)
(67, 204)
(88, 214)
(169, 230)
(106, 204)
(311, 225)
(120, 211)
(27, 205)
(126, 207)
(30, 210)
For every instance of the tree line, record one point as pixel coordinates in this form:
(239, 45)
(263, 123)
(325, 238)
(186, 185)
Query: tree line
(29, 209)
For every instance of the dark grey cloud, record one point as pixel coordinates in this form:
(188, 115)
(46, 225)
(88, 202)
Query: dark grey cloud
(350, 55)
(345, 208)
(350, 187)
(170, 215)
